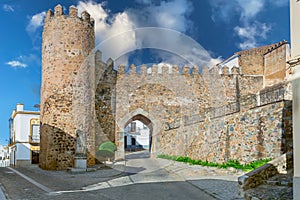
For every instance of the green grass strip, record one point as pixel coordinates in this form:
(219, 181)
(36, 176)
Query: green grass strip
(230, 163)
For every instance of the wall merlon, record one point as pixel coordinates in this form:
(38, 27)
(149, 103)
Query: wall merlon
(49, 14)
(175, 69)
(195, 71)
(205, 70)
(143, 69)
(73, 11)
(154, 69)
(225, 70)
(110, 62)
(132, 69)
(165, 70)
(235, 70)
(214, 70)
(58, 10)
(186, 70)
(98, 55)
(85, 16)
(121, 69)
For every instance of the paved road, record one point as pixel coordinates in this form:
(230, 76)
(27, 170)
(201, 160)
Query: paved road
(138, 178)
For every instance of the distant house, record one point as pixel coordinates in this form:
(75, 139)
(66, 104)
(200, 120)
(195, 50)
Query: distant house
(137, 136)
(3, 152)
(4, 156)
(24, 141)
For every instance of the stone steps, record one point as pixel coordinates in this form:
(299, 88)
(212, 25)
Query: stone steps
(280, 180)
(278, 187)
(269, 192)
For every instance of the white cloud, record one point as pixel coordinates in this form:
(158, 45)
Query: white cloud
(250, 30)
(122, 36)
(225, 10)
(15, 64)
(8, 8)
(250, 8)
(36, 21)
(168, 14)
(251, 33)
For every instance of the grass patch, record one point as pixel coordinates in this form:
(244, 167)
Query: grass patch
(231, 163)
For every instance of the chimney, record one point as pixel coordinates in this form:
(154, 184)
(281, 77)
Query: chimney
(20, 107)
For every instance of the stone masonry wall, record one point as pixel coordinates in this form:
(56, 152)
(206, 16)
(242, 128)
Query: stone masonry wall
(275, 64)
(263, 131)
(67, 42)
(252, 60)
(250, 123)
(105, 96)
(207, 116)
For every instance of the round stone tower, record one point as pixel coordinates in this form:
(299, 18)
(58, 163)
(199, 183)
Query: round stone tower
(67, 42)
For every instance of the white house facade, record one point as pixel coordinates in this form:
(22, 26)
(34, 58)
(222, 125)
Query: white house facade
(136, 136)
(4, 156)
(294, 62)
(24, 141)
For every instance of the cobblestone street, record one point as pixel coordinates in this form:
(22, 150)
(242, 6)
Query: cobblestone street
(140, 177)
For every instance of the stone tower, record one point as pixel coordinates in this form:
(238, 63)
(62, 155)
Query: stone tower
(66, 99)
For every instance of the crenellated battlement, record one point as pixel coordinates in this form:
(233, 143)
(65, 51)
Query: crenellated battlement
(73, 13)
(225, 70)
(158, 69)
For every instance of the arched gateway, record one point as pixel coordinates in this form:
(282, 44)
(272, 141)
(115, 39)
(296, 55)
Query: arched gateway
(145, 118)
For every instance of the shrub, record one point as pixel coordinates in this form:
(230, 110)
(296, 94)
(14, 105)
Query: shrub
(230, 163)
(107, 149)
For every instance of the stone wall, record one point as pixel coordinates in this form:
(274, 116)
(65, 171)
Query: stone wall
(208, 116)
(252, 60)
(105, 96)
(275, 64)
(262, 130)
(66, 75)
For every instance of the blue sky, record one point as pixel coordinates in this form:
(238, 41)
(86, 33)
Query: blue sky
(220, 27)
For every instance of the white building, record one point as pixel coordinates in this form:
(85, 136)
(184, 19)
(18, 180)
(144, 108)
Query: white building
(294, 62)
(4, 156)
(24, 141)
(4, 152)
(136, 136)
(232, 61)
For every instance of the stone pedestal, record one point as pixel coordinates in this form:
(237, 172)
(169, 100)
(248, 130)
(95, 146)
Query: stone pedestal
(80, 162)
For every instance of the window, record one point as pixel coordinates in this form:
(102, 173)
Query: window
(133, 127)
(35, 135)
(34, 131)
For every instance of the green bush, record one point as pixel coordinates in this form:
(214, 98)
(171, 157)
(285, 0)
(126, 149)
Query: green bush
(107, 149)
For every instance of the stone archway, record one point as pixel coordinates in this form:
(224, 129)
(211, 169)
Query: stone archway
(146, 122)
(146, 118)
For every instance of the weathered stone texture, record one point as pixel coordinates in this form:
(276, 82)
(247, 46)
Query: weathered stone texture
(105, 103)
(67, 41)
(252, 60)
(275, 64)
(262, 131)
